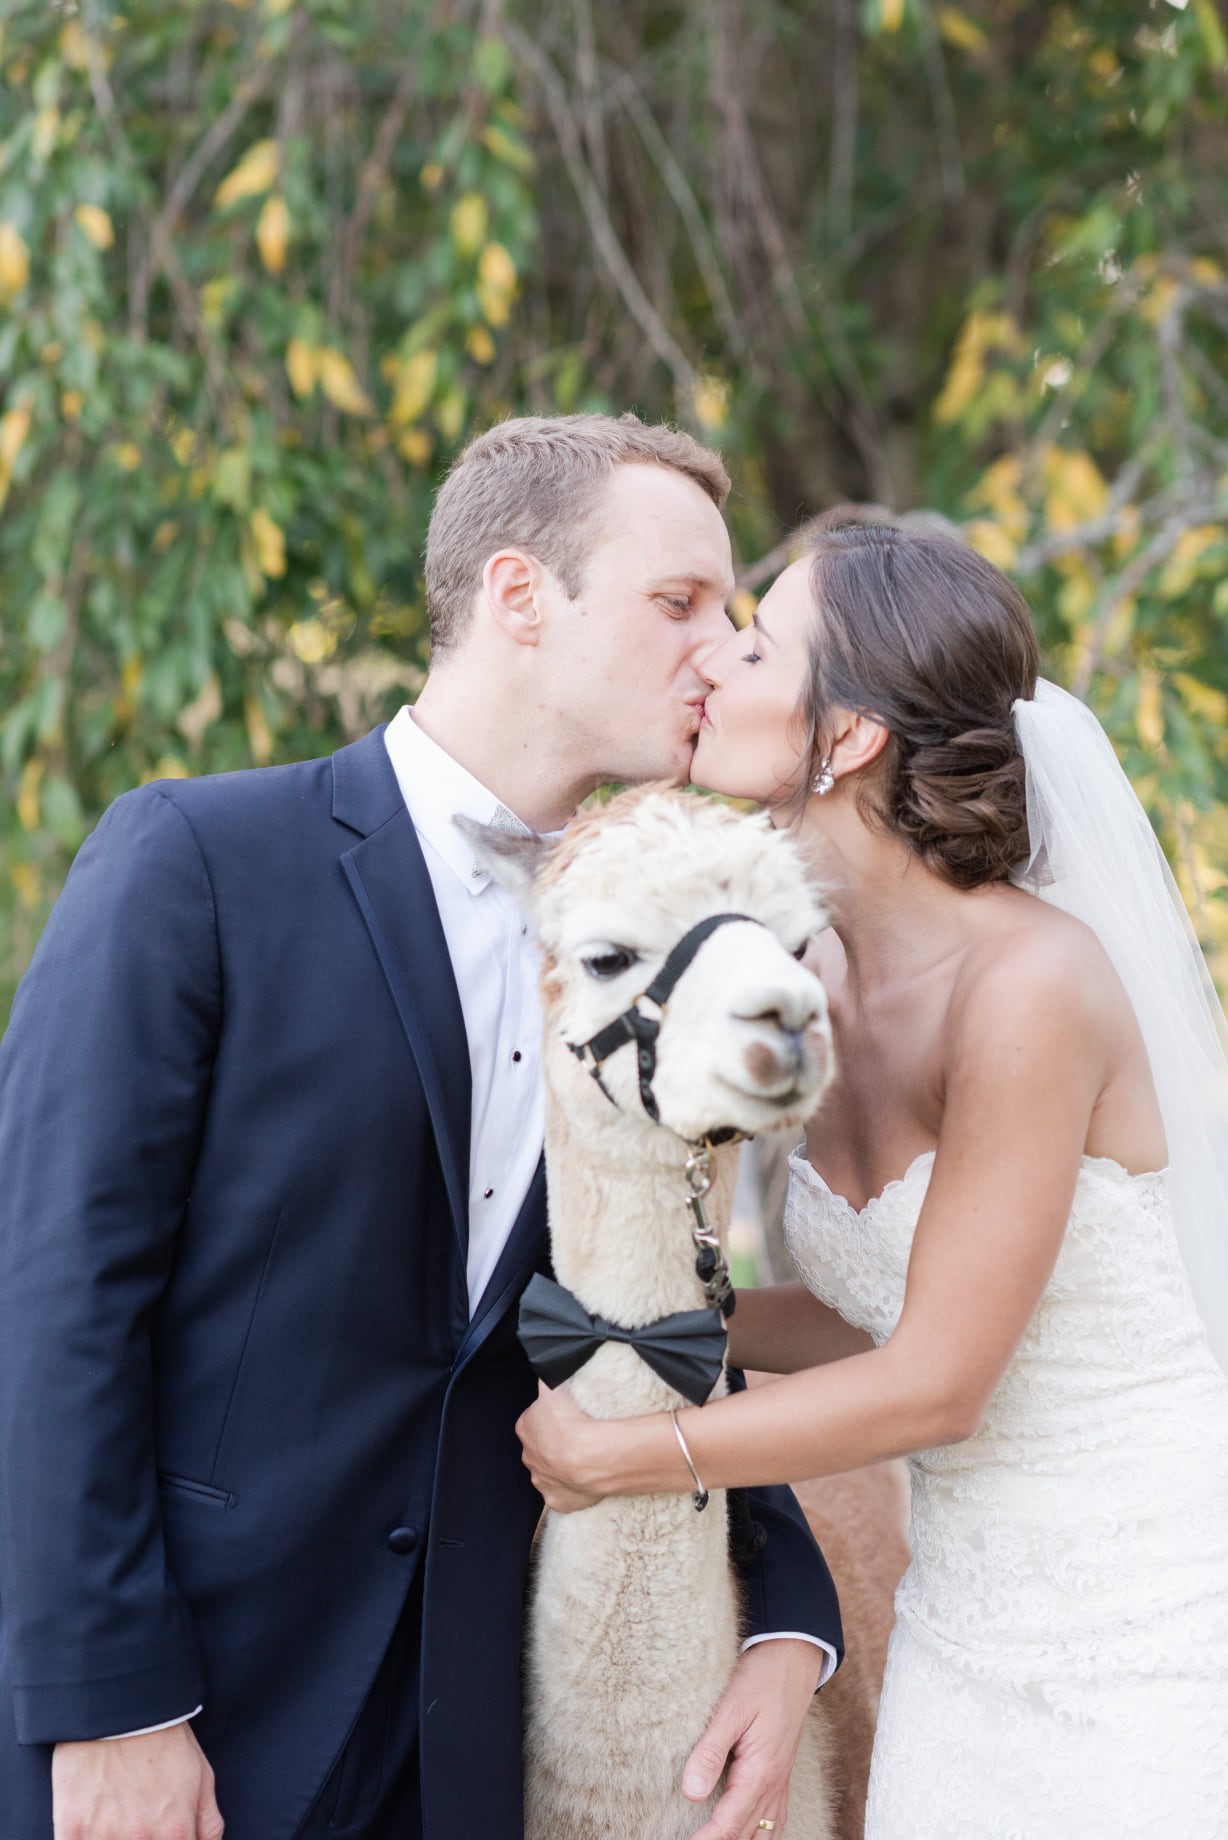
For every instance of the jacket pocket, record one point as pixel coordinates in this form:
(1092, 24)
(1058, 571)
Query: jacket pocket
(188, 1490)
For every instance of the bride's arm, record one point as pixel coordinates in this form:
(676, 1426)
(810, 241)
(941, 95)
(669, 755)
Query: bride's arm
(1026, 1061)
(785, 1328)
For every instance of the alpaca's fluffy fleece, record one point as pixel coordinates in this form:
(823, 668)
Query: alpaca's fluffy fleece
(635, 1616)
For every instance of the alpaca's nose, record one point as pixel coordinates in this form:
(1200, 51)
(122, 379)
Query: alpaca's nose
(790, 1008)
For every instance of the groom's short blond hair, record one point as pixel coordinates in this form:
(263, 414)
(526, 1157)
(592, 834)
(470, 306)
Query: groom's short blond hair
(534, 483)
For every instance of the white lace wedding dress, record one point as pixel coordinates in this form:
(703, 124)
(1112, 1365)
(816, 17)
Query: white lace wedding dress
(1059, 1664)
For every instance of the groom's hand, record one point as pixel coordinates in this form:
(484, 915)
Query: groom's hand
(755, 1731)
(154, 1787)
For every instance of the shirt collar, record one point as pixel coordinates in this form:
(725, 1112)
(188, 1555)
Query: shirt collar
(435, 788)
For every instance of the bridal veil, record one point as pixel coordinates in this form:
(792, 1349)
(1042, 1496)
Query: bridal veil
(1095, 856)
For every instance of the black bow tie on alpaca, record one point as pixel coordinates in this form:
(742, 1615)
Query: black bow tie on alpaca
(559, 1336)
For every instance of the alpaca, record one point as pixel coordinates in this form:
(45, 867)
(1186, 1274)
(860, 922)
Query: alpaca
(635, 1620)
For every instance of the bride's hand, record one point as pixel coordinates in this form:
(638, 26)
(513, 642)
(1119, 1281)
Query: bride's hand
(557, 1438)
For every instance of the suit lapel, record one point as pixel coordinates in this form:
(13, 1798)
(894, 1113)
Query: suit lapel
(390, 881)
(525, 1248)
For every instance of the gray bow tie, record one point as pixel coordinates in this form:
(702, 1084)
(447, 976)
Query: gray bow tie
(503, 820)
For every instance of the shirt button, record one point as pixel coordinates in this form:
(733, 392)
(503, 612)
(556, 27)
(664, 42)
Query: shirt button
(403, 1539)
(515, 1054)
(487, 1193)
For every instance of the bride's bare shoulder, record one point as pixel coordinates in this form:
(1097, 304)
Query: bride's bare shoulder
(1030, 960)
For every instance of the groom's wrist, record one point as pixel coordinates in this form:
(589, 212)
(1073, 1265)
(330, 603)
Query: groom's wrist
(826, 1658)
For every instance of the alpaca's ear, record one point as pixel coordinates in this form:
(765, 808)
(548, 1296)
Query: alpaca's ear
(511, 858)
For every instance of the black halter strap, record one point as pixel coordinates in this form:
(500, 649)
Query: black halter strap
(634, 1026)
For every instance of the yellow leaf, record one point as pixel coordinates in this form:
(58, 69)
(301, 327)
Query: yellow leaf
(432, 176)
(74, 48)
(28, 884)
(711, 398)
(1075, 488)
(270, 541)
(164, 536)
(273, 233)
(480, 345)
(891, 14)
(416, 446)
(14, 261)
(301, 367)
(1149, 715)
(450, 415)
(46, 133)
(495, 304)
(1128, 527)
(1206, 272)
(470, 217)
(1183, 566)
(981, 334)
(496, 284)
(255, 173)
(169, 767)
(415, 386)
(992, 542)
(215, 298)
(1160, 298)
(277, 8)
(339, 383)
(71, 404)
(1208, 704)
(496, 268)
(742, 606)
(1213, 36)
(28, 809)
(958, 29)
(259, 735)
(127, 456)
(508, 148)
(202, 712)
(95, 223)
(311, 641)
(999, 489)
(14, 429)
(1077, 594)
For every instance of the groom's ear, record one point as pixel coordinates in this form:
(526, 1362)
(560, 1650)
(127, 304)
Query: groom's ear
(511, 858)
(510, 583)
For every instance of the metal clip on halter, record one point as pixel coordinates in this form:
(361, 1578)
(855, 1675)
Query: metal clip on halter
(710, 1262)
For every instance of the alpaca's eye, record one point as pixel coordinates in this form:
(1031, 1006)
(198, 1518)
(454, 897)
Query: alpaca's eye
(800, 952)
(611, 964)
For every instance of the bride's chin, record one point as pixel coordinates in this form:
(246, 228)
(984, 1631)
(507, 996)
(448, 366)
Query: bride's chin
(706, 771)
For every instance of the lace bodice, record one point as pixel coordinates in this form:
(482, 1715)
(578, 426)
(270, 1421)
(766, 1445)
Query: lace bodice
(1075, 1547)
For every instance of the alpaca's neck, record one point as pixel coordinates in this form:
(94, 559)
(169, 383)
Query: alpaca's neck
(620, 1225)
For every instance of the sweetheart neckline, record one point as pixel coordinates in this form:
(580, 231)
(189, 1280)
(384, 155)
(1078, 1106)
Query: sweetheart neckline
(1106, 1164)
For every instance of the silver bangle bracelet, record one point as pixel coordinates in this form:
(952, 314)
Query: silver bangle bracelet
(700, 1497)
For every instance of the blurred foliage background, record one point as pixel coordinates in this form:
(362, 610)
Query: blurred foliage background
(266, 264)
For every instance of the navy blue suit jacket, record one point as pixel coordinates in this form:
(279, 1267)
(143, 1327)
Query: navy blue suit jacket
(236, 1351)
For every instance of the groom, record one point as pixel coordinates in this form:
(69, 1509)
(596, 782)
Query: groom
(270, 1129)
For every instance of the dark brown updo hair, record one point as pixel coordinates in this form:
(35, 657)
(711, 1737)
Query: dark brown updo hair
(917, 630)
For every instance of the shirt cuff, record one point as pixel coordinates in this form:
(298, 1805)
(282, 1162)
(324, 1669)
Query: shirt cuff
(144, 1730)
(830, 1660)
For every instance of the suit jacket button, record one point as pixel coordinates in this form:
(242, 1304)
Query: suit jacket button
(403, 1539)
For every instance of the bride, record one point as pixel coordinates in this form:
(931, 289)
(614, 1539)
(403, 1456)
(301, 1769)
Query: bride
(1026, 1040)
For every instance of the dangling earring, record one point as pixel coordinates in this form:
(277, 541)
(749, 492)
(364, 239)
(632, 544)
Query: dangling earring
(824, 779)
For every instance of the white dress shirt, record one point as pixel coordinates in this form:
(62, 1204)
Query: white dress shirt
(495, 963)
